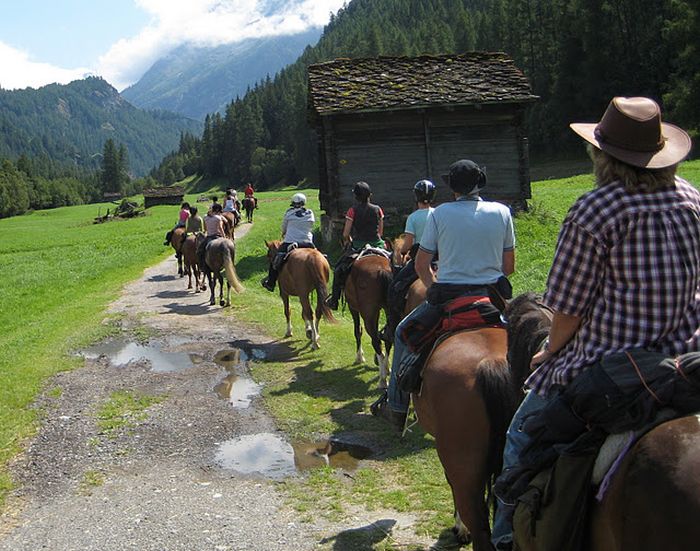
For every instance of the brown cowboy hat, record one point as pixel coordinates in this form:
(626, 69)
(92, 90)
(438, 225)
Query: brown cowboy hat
(631, 131)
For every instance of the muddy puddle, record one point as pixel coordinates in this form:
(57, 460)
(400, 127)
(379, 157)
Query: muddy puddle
(121, 353)
(270, 455)
(237, 390)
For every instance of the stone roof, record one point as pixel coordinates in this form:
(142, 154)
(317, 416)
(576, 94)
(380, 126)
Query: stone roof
(393, 83)
(171, 191)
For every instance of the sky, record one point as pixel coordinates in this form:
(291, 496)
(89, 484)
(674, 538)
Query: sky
(47, 41)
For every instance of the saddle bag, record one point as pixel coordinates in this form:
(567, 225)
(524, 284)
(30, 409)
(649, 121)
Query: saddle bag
(467, 312)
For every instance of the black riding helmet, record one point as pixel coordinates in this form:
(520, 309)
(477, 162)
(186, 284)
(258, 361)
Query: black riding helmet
(361, 191)
(466, 176)
(424, 190)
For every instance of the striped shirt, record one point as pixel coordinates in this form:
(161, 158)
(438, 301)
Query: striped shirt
(629, 266)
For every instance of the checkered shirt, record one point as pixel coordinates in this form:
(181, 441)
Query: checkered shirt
(629, 266)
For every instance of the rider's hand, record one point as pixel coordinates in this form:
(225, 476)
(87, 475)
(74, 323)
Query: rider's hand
(540, 357)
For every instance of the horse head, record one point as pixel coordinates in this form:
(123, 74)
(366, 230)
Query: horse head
(273, 248)
(398, 259)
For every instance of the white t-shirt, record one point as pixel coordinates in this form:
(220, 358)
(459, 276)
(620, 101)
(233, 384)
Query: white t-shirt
(297, 225)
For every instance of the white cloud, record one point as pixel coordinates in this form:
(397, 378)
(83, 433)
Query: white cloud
(18, 70)
(207, 23)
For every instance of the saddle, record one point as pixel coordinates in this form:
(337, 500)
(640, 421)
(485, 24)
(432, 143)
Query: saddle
(281, 257)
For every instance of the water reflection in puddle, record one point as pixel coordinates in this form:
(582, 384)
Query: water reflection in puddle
(230, 358)
(239, 391)
(271, 456)
(121, 353)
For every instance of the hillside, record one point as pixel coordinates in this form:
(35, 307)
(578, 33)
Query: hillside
(70, 123)
(194, 81)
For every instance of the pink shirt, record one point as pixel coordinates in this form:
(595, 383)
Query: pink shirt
(184, 215)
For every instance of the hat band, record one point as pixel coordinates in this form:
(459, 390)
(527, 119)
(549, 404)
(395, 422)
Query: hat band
(604, 138)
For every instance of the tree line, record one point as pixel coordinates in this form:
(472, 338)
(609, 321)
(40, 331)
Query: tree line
(577, 55)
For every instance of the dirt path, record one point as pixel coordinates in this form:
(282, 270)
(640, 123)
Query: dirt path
(156, 485)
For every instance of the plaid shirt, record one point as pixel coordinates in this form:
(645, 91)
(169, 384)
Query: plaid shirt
(629, 266)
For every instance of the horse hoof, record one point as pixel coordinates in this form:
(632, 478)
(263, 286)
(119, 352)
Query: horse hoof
(309, 334)
(212, 302)
(222, 303)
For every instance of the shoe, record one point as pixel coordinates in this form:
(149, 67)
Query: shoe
(504, 546)
(332, 302)
(265, 283)
(380, 408)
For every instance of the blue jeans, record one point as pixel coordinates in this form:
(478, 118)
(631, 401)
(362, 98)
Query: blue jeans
(399, 400)
(516, 440)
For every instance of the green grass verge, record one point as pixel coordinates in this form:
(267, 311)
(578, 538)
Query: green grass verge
(59, 272)
(124, 410)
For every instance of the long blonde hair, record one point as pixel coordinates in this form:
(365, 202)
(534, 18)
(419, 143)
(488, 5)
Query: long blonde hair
(608, 169)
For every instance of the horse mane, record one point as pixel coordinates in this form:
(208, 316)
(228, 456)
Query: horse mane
(528, 325)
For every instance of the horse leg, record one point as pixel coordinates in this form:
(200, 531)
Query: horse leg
(360, 356)
(180, 271)
(307, 315)
(287, 314)
(220, 279)
(212, 286)
(380, 360)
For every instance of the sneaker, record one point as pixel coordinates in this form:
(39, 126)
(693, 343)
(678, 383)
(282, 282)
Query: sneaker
(265, 283)
(332, 302)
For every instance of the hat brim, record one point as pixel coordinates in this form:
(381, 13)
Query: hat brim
(676, 148)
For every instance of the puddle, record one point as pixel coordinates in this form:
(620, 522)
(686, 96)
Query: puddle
(272, 456)
(229, 359)
(239, 391)
(121, 353)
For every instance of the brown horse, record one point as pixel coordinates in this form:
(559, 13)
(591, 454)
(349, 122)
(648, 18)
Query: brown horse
(249, 207)
(654, 498)
(365, 293)
(177, 238)
(219, 257)
(303, 272)
(189, 255)
(231, 220)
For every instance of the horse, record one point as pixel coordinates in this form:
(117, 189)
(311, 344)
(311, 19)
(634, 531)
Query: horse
(304, 271)
(661, 470)
(365, 294)
(219, 256)
(189, 254)
(177, 238)
(231, 220)
(249, 206)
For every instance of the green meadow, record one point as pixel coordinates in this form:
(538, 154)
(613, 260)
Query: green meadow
(59, 271)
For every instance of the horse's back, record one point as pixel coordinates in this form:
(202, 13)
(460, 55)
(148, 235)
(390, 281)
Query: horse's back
(654, 499)
(189, 248)
(303, 271)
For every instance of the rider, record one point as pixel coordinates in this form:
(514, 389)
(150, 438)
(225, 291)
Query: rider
(215, 226)
(424, 192)
(230, 201)
(297, 224)
(195, 224)
(249, 193)
(477, 248)
(181, 222)
(364, 225)
(626, 269)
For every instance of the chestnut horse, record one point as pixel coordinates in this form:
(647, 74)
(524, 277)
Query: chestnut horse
(249, 206)
(653, 501)
(231, 220)
(219, 257)
(189, 255)
(365, 293)
(177, 238)
(304, 271)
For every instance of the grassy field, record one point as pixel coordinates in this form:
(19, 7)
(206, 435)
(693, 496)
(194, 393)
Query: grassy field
(59, 271)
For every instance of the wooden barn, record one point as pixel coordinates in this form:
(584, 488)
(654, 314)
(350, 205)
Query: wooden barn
(171, 195)
(392, 121)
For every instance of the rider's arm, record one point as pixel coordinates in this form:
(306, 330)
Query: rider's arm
(423, 267)
(508, 262)
(380, 228)
(346, 230)
(564, 327)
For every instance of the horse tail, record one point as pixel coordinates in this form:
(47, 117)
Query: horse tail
(321, 279)
(385, 278)
(230, 269)
(494, 382)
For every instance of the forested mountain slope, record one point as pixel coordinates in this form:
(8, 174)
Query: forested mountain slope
(194, 81)
(577, 54)
(70, 124)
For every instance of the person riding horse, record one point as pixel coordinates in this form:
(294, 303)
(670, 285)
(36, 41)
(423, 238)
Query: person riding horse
(424, 192)
(297, 224)
(215, 227)
(626, 269)
(195, 224)
(477, 249)
(364, 225)
(181, 222)
(249, 193)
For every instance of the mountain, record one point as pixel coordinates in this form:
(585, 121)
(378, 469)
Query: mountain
(196, 81)
(70, 124)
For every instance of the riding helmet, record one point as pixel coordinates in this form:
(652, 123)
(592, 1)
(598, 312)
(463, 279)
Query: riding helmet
(424, 190)
(466, 176)
(361, 191)
(298, 200)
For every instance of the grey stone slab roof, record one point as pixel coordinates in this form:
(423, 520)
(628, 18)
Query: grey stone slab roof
(392, 83)
(172, 191)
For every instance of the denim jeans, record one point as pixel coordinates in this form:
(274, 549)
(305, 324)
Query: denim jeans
(399, 400)
(516, 440)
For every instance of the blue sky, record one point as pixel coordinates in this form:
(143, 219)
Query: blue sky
(45, 41)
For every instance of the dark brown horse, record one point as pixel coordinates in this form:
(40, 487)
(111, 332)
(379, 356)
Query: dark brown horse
(189, 256)
(219, 257)
(365, 293)
(654, 499)
(177, 238)
(249, 207)
(306, 270)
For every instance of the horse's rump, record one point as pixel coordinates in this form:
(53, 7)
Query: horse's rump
(370, 277)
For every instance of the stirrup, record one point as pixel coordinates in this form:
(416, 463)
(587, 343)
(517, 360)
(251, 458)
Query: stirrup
(376, 407)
